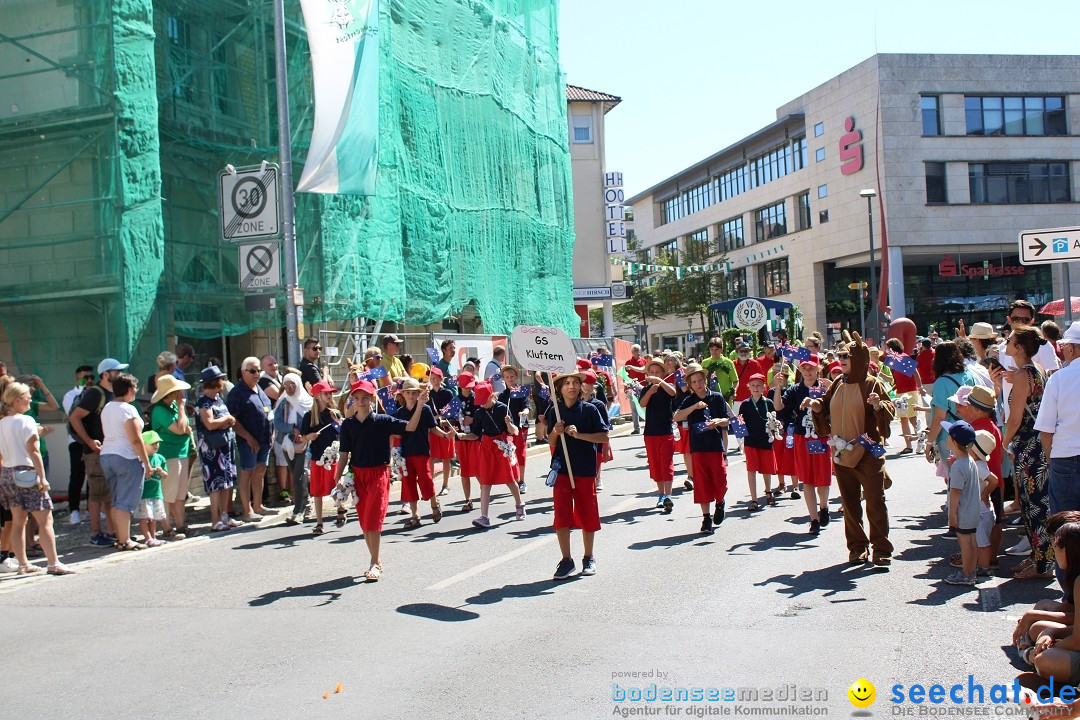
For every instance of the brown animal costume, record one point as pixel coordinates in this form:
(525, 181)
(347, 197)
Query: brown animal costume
(845, 413)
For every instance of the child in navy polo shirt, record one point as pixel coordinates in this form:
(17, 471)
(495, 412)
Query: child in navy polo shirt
(441, 448)
(494, 428)
(589, 388)
(582, 428)
(758, 444)
(417, 483)
(659, 437)
(519, 415)
(468, 451)
(365, 447)
(705, 413)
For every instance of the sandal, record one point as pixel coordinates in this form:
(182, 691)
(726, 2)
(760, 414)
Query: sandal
(374, 573)
(317, 530)
(129, 546)
(436, 512)
(219, 526)
(412, 523)
(772, 500)
(1031, 573)
(28, 569)
(444, 491)
(60, 569)
(341, 520)
(753, 506)
(467, 507)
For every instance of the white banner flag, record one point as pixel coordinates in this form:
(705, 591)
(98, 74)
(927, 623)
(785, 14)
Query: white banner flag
(343, 36)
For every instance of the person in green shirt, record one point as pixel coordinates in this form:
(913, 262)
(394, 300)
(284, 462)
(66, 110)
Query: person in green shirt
(169, 419)
(723, 368)
(40, 399)
(151, 509)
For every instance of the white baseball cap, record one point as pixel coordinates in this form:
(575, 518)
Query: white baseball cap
(1071, 336)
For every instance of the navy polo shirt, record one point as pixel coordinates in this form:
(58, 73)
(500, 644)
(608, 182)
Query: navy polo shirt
(601, 407)
(658, 413)
(468, 410)
(441, 398)
(368, 442)
(253, 410)
(793, 398)
(587, 419)
(708, 440)
(326, 438)
(490, 421)
(516, 405)
(756, 415)
(415, 443)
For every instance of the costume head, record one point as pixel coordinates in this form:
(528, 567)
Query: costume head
(860, 359)
(903, 329)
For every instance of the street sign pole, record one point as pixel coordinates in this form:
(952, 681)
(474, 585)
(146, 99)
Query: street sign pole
(292, 346)
(1066, 285)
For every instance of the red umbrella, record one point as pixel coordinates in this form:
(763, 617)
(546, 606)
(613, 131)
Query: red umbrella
(1057, 307)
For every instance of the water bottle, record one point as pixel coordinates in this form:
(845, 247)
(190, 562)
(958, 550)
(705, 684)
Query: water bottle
(523, 419)
(675, 432)
(789, 442)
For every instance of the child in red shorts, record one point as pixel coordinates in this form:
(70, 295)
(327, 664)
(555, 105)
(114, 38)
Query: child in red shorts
(706, 413)
(659, 437)
(496, 461)
(578, 424)
(365, 447)
(516, 398)
(588, 394)
(758, 444)
(417, 483)
(467, 450)
(441, 447)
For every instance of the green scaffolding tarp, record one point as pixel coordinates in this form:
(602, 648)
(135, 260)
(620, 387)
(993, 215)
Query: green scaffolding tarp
(117, 104)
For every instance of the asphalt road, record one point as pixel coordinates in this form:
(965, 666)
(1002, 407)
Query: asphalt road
(468, 623)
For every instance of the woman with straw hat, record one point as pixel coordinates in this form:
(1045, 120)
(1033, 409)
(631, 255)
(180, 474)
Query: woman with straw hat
(706, 413)
(659, 438)
(168, 418)
(416, 482)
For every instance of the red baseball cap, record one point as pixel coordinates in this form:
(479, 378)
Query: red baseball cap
(362, 386)
(834, 366)
(584, 364)
(435, 371)
(588, 377)
(482, 391)
(466, 380)
(812, 360)
(756, 376)
(322, 386)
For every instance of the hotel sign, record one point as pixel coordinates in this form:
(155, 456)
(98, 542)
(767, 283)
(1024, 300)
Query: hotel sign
(614, 213)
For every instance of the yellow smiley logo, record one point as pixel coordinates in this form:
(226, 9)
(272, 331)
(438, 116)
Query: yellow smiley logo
(862, 693)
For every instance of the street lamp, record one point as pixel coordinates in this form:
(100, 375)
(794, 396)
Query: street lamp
(870, 194)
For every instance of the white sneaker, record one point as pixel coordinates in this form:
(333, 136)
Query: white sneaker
(9, 565)
(74, 518)
(599, 485)
(1021, 548)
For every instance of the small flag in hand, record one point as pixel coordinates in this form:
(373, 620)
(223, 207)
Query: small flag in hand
(372, 374)
(794, 354)
(545, 394)
(903, 364)
(519, 392)
(816, 447)
(603, 360)
(452, 409)
(737, 426)
(816, 391)
(387, 401)
(433, 355)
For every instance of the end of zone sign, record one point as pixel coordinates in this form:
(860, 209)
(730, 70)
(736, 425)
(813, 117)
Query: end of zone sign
(260, 265)
(1050, 245)
(248, 202)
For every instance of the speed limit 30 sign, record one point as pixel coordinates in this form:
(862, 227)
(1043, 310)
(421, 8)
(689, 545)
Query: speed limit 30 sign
(248, 202)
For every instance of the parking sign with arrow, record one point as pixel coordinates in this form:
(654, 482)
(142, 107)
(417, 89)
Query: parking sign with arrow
(1050, 245)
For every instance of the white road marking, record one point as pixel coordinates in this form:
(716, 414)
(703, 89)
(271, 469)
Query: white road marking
(517, 552)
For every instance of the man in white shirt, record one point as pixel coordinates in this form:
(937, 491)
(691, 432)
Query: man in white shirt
(492, 373)
(1059, 425)
(84, 375)
(1022, 314)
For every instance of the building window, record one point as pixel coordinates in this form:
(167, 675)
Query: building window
(798, 152)
(730, 236)
(732, 285)
(822, 216)
(935, 184)
(931, 116)
(1019, 182)
(819, 129)
(775, 164)
(667, 252)
(1015, 115)
(804, 211)
(583, 129)
(773, 277)
(731, 183)
(697, 246)
(671, 210)
(819, 154)
(822, 191)
(770, 222)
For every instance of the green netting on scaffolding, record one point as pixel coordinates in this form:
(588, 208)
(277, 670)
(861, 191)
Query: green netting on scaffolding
(117, 116)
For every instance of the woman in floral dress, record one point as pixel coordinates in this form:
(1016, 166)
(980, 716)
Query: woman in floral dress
(1024, 445)
(217, 444)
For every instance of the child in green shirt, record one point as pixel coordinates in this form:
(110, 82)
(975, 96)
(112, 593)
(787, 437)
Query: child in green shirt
(151, 509)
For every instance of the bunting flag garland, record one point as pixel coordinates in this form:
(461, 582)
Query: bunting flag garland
(636, 268)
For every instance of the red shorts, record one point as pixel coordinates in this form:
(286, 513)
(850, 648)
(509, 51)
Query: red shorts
(417, 484)
(761, 461)
(468, 456)
(495, 467)
(520, 441)
(682, 445)
(812, 469)
(660, 449)
(785, 459)
(440, 448)
(710, 477)
(576, 508)
(321, 479)
(372, 496)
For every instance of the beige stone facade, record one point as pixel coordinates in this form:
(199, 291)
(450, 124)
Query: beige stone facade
(884, 96)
